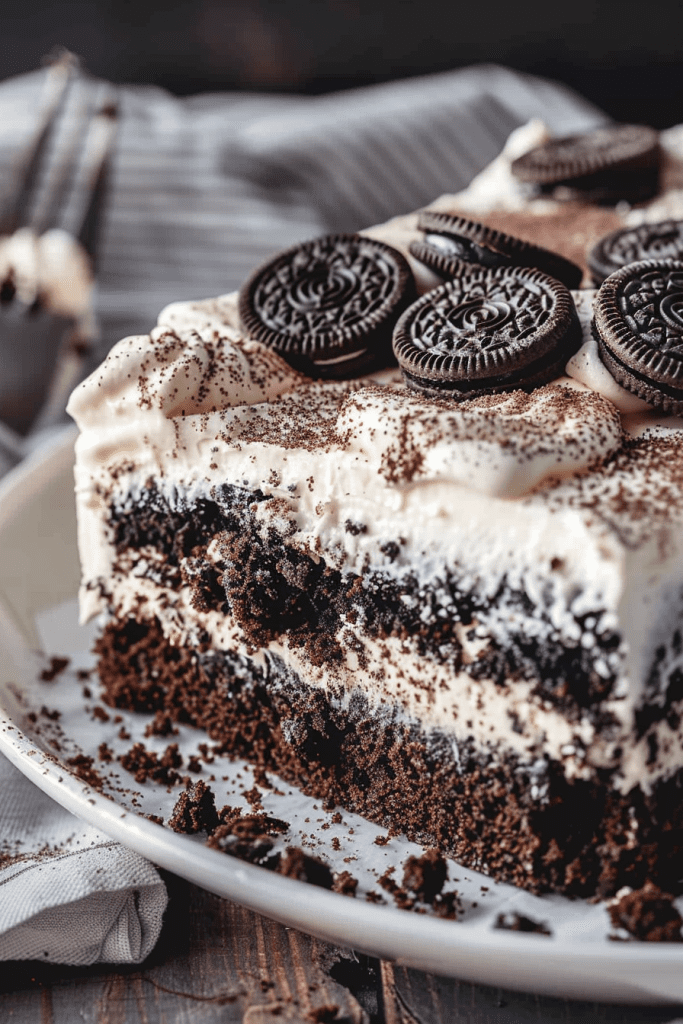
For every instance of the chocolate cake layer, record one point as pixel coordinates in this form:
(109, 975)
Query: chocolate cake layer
(274, 590)
(521, 822)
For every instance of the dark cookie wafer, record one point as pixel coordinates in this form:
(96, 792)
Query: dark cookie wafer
(450, 238)
(603, 166)
(629, 245)
(329, 306)
(487, 330)
(639, 329)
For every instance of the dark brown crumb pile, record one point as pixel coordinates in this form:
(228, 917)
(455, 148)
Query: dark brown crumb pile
(161, 725)
(195, 810)
(146, 765)
(253, 797)
(647, 914)
(514, 922)
(105, 754)
(248, 836)
(294, 863)
(345, 884)
(425, 876)
(83, 766)
(390, 885)
(49, 714)
(56, 667)
(422, 886)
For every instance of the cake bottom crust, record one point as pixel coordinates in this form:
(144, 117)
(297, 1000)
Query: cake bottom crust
(518, 821)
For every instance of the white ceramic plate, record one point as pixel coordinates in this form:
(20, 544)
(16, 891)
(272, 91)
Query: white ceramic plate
(38, 583)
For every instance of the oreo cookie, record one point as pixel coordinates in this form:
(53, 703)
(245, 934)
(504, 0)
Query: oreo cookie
(619, 162)
(489, 329)
(629, 245)
(329, 306)
(450, 239)
(638, 326)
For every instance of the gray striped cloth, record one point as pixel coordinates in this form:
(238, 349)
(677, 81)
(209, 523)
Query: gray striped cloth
(205, 189)
(201, 191)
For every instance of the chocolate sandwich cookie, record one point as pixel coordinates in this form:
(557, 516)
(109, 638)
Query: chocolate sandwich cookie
(329, 306)
(604, 166)
(661, 241)
(449, 239)
(487, 330)
(639, 329)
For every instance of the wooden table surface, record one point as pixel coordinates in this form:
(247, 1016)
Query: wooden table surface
(216, 962)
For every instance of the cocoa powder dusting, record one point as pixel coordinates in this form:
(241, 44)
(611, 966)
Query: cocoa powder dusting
(572, 229)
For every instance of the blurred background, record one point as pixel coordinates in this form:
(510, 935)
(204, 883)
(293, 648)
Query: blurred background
(626, 57)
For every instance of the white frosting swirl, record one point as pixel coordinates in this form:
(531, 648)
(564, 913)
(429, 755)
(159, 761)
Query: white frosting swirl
(182, 372)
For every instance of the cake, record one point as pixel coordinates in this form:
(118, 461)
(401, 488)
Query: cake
(462, 619)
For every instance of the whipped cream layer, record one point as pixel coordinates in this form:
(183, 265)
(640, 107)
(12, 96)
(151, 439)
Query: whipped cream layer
(503, 445)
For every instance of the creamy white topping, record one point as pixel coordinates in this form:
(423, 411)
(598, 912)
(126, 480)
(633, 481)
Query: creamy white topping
(505, 445)
(587, 367)
(180, 374)
(502, 445)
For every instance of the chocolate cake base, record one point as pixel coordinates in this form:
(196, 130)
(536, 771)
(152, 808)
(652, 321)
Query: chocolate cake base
(517, 821)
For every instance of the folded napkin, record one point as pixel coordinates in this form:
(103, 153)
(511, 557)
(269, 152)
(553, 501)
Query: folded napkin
(201, 191)
(68, 894)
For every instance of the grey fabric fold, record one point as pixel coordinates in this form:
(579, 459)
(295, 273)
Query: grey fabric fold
(204, 189)
(68, 894)
(364, 156)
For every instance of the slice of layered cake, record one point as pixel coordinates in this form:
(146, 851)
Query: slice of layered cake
(448, 597)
